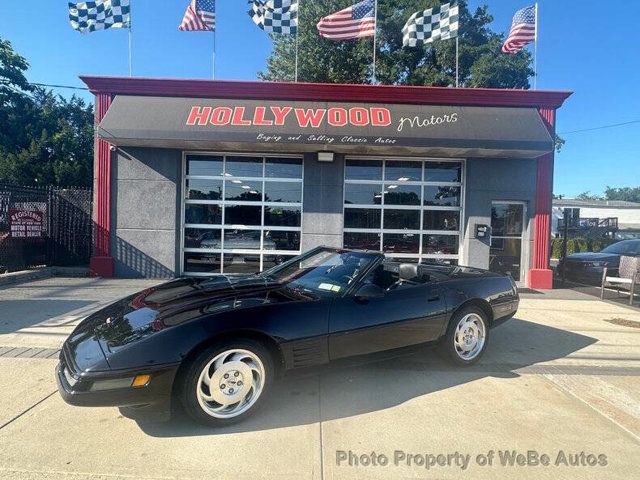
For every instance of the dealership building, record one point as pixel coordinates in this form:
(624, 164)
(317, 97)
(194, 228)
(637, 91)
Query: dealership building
(198, 177)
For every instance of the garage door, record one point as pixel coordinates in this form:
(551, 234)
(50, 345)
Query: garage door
(241, 213)
(407, 208)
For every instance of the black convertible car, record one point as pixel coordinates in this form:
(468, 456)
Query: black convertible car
(217, 344)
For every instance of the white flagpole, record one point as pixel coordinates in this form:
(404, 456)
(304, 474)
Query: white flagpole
(130, 43)
(535, 51)
(375, 39)
(295, 77)
(214, 53)
(457, 62)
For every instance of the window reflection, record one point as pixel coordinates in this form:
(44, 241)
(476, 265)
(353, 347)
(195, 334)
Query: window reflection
(401, 242)
(202, 262)
(204, 189)
(243, 215)
(362, 241)
(242, 239)
(288, 192)
(402, 219)
(395, 194)
(283, 168)
(202, 238)
(441, 220)
(282, 217)
(442, 196)
(359, 194)
(440, 244)
(281, 240)
(203, 214)
(244, 167)
(204, 165)
(243, 191)
(403, 171)
(442, 172)
(362, 218)
(363, 170)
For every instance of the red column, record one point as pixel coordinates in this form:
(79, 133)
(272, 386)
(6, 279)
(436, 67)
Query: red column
(101, 262)
(540, 275)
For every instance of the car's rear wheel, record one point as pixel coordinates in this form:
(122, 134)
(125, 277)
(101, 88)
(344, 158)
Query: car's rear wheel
(226, 383)
(467, 336)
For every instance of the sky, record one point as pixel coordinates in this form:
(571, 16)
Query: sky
(589, 47)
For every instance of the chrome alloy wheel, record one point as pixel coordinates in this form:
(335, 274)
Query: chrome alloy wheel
(469, 336)
(230, 383)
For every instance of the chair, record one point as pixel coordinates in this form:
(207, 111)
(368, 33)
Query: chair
(628, 274)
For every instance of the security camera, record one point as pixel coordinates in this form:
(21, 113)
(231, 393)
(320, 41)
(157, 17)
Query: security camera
(113, 148)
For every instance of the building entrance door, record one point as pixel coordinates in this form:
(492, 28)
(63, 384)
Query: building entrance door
(507, 228)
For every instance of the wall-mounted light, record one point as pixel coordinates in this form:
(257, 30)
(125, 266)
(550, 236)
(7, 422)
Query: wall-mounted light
(325, 156)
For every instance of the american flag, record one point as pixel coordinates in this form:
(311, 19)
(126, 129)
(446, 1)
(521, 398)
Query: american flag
(523, 30)
(357, 21)
(200, 16)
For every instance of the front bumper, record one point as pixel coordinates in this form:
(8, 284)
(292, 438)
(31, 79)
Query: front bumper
(76, 387)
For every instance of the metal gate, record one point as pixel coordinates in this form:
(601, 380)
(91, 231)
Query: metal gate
(44, 227)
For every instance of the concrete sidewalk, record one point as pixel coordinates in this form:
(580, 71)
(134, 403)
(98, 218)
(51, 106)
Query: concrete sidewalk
(559, 377)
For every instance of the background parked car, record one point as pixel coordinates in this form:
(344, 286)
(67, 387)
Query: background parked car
(588, 267)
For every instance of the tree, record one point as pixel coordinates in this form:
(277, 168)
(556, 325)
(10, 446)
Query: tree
(44, 139)
(588, 196)
(627, 194)
(480, 62)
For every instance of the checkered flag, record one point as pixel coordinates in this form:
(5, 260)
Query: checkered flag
(99, 15)
(440, 23)
(275, 16)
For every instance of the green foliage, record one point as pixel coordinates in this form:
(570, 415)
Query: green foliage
(480, 62)
(579, 245)
(627, 194)
(588, 196)
(44, 139)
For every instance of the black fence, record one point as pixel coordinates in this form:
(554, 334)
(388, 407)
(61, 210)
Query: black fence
(44, 227)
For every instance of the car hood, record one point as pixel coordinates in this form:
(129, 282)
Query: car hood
(164, 306)
(592, 257)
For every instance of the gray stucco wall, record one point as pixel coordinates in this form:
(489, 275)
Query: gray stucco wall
(145, 216)
(323, 190)
(496, 179)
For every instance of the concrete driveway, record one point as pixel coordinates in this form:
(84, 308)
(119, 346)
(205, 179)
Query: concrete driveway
(562, 380)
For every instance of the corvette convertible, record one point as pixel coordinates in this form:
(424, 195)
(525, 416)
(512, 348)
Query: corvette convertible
(216, 345)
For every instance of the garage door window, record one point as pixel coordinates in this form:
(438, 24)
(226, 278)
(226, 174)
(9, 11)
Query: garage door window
(242, 214)
(407, 208)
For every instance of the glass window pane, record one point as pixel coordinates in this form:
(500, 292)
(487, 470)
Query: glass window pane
(441, 220)
(505, 255)
(440, 244)
(202, 262)
(402, 219)
(442, 172)
(290, 192)
(362, 218)
(204, 165)
(442, 196)
(204, 214)
(362, 241)
(243, 191)
(401, 242)
(363, 194)
(283, 168)
(270, 261)
(243, 215)
(282, 217)
(241, 263)
(403, 171)
(244, 167)
(242, 239)
(395, 194)
(363, 170)
(278, 240)
(506, 220)
(202, 238)
(204, 189)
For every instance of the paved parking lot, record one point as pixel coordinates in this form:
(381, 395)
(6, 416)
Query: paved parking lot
(561, 377)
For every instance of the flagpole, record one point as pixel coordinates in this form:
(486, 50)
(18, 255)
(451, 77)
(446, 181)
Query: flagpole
(214, 54)
(535, 52)
(375, 39)
(457, 62)
(295, 76)
(130, 43)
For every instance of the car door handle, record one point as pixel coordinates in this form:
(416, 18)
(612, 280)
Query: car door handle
(434, 297)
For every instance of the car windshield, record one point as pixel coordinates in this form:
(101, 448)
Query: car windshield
(323, 272)
(628, 246)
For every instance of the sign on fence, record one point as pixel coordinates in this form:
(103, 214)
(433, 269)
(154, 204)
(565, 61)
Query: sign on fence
(25, 224)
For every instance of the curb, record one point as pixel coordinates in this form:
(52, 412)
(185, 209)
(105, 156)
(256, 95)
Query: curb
(24, 276)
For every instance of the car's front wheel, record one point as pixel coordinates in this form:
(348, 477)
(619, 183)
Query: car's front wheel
(467, 336)
(226, 383)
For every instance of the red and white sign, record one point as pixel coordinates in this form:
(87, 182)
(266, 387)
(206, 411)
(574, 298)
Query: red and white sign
(26, 224)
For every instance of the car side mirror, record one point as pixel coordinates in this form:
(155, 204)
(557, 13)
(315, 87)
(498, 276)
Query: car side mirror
(369, 291)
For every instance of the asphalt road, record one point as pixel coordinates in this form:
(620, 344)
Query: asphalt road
(561, 380)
